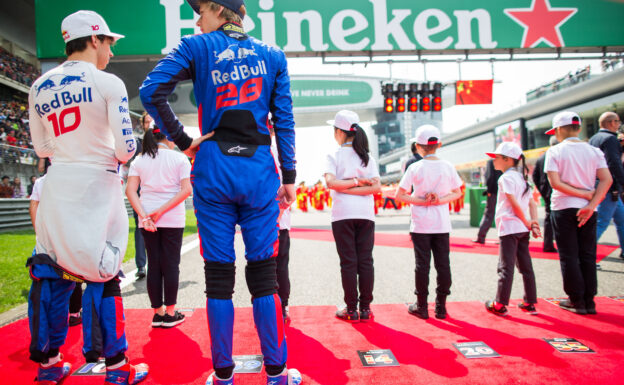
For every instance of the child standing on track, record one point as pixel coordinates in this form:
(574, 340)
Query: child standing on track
(435, 183)
(354, 177)
(572, 167)
(514, 198)
(164, 178)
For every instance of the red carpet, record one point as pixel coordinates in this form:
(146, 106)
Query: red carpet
(460, 245)
(324, 349)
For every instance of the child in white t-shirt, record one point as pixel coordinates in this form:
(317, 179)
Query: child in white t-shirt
(513, 201)
(436, 183)
(572, 167)
(352, 175)
(164, 177)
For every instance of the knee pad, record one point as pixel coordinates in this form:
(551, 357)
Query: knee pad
(261, 277)
(219, 280)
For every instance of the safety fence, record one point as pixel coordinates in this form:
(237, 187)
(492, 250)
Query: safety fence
(14, 213)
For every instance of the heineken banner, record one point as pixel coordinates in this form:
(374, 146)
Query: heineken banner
(370, 27)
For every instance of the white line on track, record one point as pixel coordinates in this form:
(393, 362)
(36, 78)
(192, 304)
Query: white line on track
(130, 276)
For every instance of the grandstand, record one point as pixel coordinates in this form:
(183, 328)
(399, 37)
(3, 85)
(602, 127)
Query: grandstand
(18, 69)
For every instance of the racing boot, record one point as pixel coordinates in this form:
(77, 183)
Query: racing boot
(53, 374)
(126, 374)
(287, 377)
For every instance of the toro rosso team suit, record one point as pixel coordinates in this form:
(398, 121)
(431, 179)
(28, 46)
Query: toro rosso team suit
(79, 117)
(238, 81)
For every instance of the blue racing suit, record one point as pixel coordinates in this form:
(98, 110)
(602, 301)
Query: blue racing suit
(48, 311)
(238, 81)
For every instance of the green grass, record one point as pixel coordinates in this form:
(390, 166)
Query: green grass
(17, 246)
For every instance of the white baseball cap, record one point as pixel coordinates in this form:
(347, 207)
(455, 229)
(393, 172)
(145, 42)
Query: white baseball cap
(345, 120)
(427, 134)
(508, 149)
(85, 23)
(564, 118)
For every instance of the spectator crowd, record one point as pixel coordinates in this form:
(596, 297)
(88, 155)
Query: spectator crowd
(14, 129)
(17, 69)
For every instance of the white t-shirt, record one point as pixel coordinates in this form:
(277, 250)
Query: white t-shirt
(79, 115)
(346, 164)
(36, 191)
(576, 163)
(160, 181)
(511, 182)
(426, 176)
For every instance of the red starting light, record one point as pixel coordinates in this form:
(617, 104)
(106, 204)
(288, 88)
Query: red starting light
(426, 104)
(437, 103)
(401, 104)
(389, 108)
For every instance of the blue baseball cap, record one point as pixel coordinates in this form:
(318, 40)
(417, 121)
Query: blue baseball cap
(233, 5)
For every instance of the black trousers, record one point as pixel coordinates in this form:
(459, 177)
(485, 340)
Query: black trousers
(391, 200)
(283, 255)
(514, 250)
(354, 241)
(163, 258)
(424, 246)
(488, 217)
(548, 228)
(577, 255)
(139, 243)
(75, 301)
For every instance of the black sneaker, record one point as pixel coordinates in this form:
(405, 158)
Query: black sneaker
(366, 315)
(348, 315)
(489, 306)
(482, 242)
(140, 274)
(590, 306)
(528, 308)
(157, 320)
(75, 319)
(569, 306)
(170, 321)
(440, 311)
(285, 314)
(419, 311)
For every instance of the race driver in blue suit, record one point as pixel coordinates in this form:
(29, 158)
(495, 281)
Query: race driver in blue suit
(239, 84)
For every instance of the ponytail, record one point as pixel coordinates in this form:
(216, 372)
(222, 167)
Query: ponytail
(150, 141)
(360, 143)
(524, 171)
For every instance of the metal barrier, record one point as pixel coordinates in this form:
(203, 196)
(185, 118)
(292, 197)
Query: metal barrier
(14, 213)
(18, 162)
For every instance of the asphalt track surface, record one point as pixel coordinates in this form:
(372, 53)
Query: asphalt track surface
(315, 271)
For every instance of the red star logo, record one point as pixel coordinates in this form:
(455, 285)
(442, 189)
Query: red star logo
(541, 23)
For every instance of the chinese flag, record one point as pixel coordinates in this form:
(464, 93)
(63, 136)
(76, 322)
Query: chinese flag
(473, 92)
